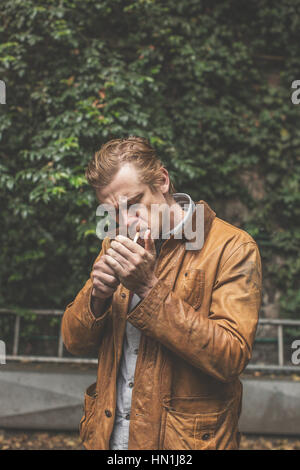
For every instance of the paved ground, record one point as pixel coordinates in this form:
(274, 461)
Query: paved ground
(33, 440)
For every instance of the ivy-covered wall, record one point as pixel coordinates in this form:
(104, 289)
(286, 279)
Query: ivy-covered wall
(208, 82)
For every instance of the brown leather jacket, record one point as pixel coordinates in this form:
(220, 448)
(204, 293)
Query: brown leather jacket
(198, 325)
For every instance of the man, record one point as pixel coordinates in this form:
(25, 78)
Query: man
(173, 327)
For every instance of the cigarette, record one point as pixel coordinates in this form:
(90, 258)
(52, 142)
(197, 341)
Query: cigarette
(136, 237)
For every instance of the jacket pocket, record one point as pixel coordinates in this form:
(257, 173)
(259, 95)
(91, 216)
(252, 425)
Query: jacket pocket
(90, 396)
(193, 287)
(186, 425)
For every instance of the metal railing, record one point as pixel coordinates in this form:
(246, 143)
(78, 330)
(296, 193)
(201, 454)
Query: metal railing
(55, 359)
(279, 323)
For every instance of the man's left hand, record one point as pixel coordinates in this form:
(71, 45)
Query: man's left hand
(133, 264)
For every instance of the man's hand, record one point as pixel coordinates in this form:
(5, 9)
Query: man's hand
(133, 264)
(105, 282)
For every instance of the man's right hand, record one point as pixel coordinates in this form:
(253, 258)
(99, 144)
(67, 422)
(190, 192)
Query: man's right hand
(105, 281)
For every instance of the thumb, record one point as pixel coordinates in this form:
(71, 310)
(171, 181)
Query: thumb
(149, 242)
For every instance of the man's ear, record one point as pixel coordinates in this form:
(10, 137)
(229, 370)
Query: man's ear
(165, 185)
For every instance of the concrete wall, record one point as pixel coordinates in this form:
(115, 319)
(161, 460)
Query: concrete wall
(53, 399)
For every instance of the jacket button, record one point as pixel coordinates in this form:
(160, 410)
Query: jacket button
(123, 295)
(205, 437)
(130, 384)
(108, 413)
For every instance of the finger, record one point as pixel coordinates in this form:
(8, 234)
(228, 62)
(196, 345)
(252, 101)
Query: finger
(115, 265)
(100, 290)
(149, 243)
(118, 257)
(123, 251)
(100, 286)
(103, 267)
(128, 243)
(107, 279)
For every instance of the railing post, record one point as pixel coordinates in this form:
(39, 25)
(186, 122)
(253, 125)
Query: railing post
(60, 345)
(280, 345)
(16, 335)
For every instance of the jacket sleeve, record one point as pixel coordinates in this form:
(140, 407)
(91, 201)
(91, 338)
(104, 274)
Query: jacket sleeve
(220, 343)
(81, 330)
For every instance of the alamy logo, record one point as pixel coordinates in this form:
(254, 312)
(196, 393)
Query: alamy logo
(295, 95)
(124, 221)
(296, 354)
(2, 92)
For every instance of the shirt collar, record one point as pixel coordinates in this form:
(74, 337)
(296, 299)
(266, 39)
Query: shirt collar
(190, 222)
(186, 202)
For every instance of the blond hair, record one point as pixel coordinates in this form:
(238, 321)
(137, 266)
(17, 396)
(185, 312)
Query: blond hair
(107, 161)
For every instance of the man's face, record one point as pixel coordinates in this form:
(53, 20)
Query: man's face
(126, 183)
